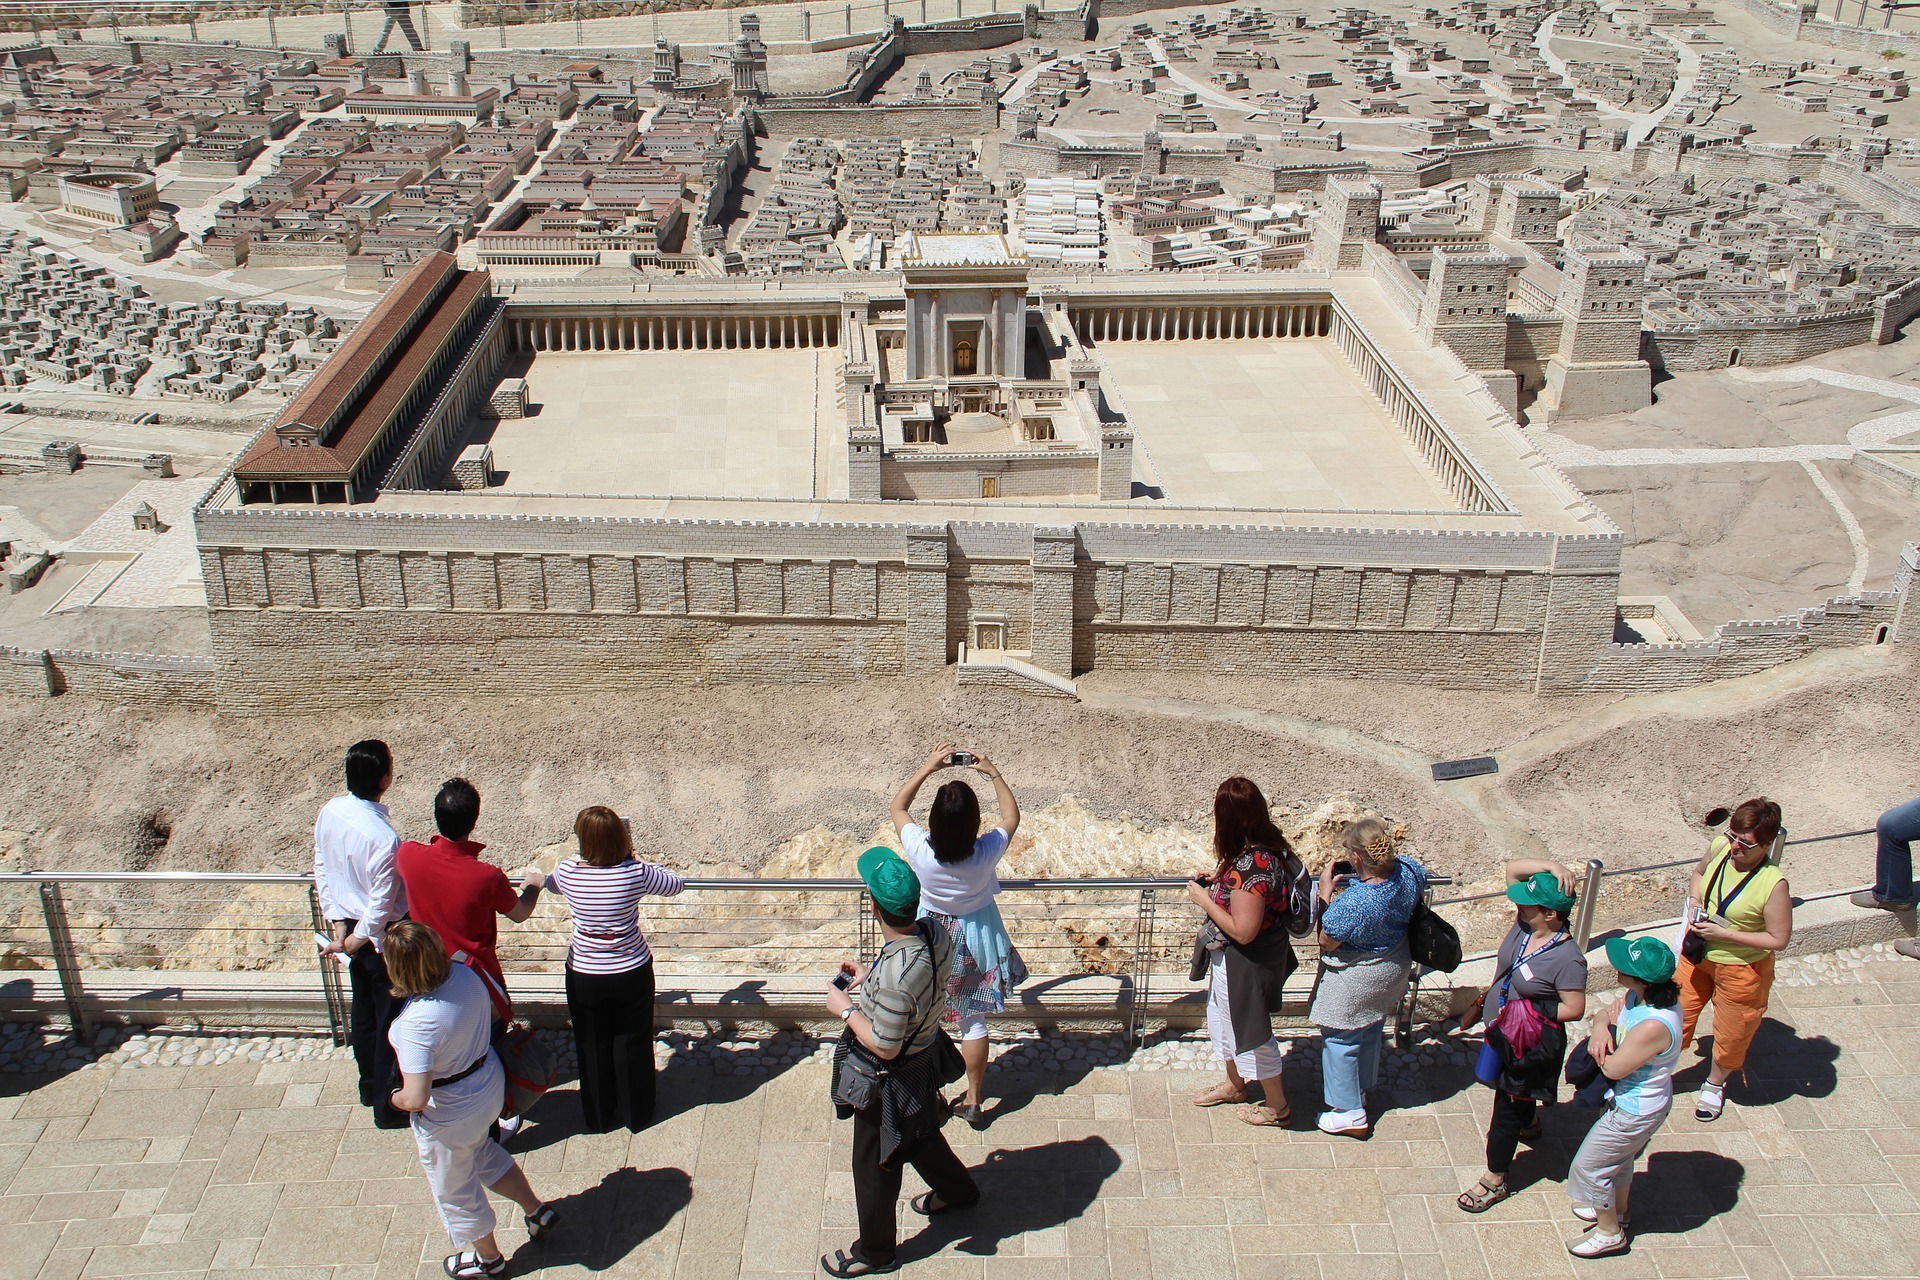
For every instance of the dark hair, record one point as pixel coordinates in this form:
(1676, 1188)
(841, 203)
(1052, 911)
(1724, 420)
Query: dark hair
(1759, 815)
(1241, 818)
(368, 764)
(456, 810)
(953, 823)
(604, 841)
(1662, 995)
(893, 921)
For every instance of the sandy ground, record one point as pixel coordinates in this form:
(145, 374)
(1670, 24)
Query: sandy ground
(793, 781)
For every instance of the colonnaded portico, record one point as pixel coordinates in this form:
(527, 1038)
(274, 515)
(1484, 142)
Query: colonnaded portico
(719, 480)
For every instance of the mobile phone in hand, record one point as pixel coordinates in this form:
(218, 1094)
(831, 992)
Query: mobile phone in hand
(1343, 868)
(843, 979)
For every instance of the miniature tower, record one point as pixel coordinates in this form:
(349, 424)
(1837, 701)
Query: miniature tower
(1349, 221)
(1597, 368)
(666, 64)
(1465, 309)
(1529, 214)
(1153, 156)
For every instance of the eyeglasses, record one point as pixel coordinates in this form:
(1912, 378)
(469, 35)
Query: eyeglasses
(1741, 842)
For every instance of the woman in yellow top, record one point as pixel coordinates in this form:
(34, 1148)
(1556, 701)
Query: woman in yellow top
(1735, 883)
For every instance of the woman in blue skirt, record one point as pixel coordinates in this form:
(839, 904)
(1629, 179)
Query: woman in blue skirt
(956, 864)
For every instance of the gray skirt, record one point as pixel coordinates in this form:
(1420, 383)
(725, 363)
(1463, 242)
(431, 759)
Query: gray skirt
(1358, 989)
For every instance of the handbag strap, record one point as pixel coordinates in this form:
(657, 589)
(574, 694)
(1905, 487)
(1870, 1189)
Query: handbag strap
(506, 1001)
(1725, 861)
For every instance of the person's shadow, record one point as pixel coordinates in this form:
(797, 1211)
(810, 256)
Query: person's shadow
(1682, 1190)
(1781, 1064)
(1022, 1190)
(601, 1225)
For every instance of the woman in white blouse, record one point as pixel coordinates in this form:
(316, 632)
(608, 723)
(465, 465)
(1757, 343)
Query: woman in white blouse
(957, 867)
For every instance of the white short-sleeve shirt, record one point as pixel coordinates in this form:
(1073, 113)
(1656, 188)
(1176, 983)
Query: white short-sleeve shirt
(955, 888)
(443, 1032)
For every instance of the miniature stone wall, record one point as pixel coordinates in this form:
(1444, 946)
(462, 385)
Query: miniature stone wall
(134, 679)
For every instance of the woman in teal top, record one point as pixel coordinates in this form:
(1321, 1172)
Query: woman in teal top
(1636, 1042)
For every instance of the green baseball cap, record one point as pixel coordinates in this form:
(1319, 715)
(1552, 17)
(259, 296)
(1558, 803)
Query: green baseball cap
(890, 880)
(1647, 959)
(1541, 890)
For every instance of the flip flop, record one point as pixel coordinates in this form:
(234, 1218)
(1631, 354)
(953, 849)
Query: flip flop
(923, 1204)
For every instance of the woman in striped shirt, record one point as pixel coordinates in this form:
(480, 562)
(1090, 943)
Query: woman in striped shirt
(610, 969)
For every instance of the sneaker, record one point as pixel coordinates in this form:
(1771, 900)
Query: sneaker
(1865, 899)
(1587, 1213)
(509, 1127)
(1711, 1102)
(1595, 1245)
(1908, 947)
(1344, 1124)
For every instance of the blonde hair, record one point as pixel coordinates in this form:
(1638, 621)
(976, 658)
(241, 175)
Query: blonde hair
(604, 840)
(1371, 843)
(416, 960)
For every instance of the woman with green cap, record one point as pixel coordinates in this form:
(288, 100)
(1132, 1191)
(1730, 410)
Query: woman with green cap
(1636, 1042)
(1539, 962)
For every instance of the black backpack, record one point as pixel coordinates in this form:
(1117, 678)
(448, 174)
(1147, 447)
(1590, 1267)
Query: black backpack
(1433, 941)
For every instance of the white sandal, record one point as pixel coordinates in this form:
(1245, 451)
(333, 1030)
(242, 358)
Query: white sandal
(469, 1265)
(1711, 1102)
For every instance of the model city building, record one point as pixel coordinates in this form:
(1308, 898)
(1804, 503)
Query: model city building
(1037, 344)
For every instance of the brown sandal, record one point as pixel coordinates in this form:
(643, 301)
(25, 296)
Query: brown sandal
(1260, 1115)
(1483, 1195)
(1219, 1095)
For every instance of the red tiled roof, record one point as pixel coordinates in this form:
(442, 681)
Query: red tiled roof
(351, 425)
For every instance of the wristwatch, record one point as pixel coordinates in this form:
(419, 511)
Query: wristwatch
(846, 1013)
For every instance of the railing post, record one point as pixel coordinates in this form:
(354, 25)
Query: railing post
(1589, 900)
(54, 908)
(1142, 988)
(1778, 850)
(332, 986)
(869, 934)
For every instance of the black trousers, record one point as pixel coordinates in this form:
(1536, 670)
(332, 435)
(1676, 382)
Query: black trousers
(1510, 1116)
(612, 1017)
(877, 1186)
(371, 1015)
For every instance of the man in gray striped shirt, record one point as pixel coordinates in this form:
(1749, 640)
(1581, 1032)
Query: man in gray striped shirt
(894, 1029)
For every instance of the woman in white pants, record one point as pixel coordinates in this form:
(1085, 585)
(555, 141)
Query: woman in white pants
(453, 1085)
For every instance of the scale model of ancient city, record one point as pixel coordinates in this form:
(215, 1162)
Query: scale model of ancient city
(348, 352)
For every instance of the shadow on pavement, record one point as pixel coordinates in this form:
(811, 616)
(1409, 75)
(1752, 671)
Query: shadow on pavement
(1680, 1191)
(1022, 1190)
(603, 1224)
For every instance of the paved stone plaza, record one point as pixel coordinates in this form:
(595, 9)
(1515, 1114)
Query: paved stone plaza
(1265, 424)
(268, 1169)
(734, 424)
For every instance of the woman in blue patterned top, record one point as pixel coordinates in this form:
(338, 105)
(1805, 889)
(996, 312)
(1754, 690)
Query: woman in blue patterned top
(1364, 965)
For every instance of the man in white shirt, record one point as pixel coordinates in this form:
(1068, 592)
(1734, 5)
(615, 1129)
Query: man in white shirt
(360, 895)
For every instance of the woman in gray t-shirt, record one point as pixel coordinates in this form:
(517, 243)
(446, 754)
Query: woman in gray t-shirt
(1539, 961)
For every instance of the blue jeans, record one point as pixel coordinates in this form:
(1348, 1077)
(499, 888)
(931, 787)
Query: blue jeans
(1898, 828)
(1349, 1065)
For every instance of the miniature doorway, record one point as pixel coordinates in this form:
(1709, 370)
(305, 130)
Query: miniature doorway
(966, 354)
(989, 637)
(989, 486)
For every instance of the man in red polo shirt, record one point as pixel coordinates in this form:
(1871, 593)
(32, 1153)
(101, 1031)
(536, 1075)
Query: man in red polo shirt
(454, 893)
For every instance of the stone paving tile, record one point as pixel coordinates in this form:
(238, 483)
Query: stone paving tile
(267, 1171)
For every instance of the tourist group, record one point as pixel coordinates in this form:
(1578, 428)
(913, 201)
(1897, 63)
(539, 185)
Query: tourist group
(417, 925)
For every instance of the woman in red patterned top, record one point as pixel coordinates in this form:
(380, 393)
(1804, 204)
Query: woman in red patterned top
(1244, 949)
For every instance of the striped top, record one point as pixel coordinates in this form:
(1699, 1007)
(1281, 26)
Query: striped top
(605, 902)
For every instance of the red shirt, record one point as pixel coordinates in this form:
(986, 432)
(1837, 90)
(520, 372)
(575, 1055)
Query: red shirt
(459, 897)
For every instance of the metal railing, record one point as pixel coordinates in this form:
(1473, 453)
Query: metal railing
(231, 946)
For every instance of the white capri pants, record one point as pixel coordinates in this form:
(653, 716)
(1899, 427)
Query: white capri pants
(460, 1160)
(1263, 1063)
(1605, 1160)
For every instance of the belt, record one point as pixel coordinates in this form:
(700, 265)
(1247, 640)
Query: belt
(458, 1076)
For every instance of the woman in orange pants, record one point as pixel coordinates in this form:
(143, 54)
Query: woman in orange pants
(1749, 917)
